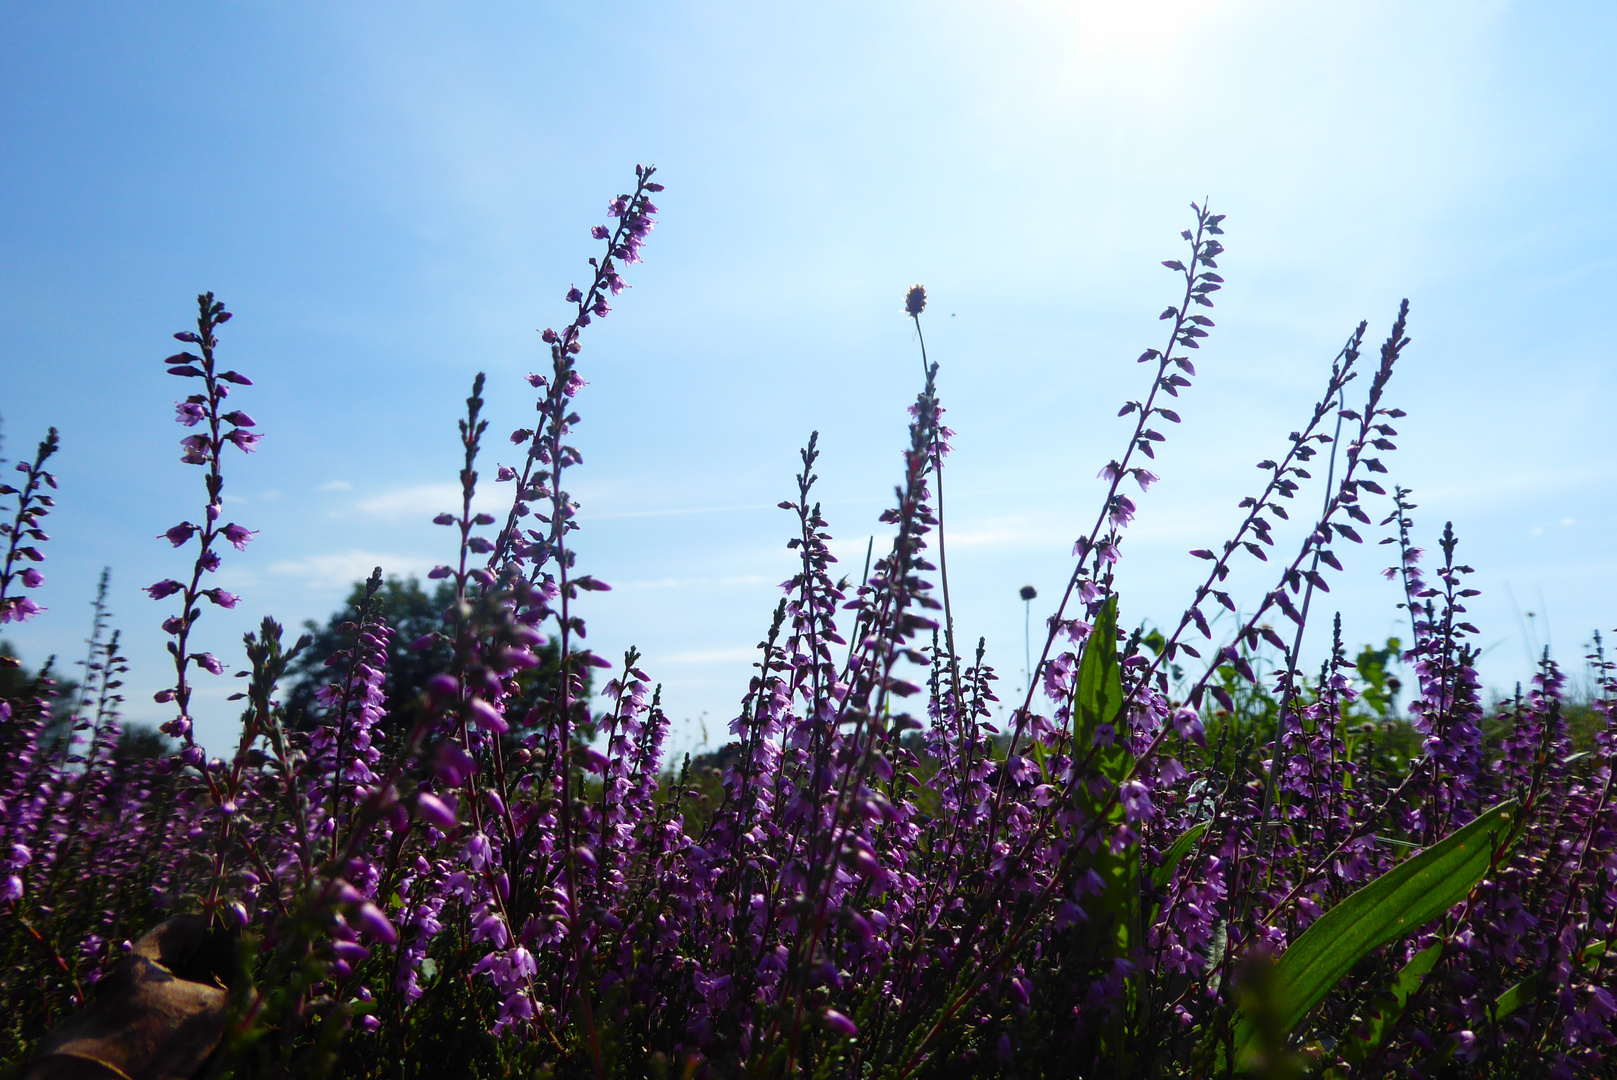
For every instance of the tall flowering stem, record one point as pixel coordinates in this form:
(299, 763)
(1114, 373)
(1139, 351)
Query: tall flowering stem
(206, 449)
(22, 533)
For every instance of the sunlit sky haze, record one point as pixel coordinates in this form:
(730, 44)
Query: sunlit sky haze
(394, 197)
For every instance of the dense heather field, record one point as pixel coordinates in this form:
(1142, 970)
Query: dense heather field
(1183, 856)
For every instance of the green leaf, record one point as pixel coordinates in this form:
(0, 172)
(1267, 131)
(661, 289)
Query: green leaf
(1409, 979)
(1525, 991)
(1402, 900)
(1161, 875)
(1099, 696)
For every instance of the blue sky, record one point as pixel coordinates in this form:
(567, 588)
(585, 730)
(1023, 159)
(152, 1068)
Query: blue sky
(394, 197)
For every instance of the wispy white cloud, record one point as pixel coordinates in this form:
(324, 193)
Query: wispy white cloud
(707, 656)
(426, 500)
(336, 485)
(690, 582)
(338, 570)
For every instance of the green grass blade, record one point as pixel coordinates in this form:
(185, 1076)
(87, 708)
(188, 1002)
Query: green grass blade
(1402, 900)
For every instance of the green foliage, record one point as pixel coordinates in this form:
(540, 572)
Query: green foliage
(1397, 903)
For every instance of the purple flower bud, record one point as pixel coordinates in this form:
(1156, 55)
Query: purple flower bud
(505, 473)
(549, 337)
(345, 893)
(351, 951)
(222, 598)
(31, 578)
(208, 661)
(240, 419)
(600, 232)
(573, 295)
(372, 923)
(835, 1021)
(486, 716)
(438, 573)
(444, 519)
(163, 588)
(434, 811)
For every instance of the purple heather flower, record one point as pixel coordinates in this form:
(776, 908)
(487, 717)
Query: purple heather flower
(1189, 725)
(220, 597)
(573, 295)
(1136, 801)
(32, 578)
(453, 765)
(196, 450)
(180, 533)
(189, 413)
(240, 419)
(238, 536)
(209, 561)
(600, 232)
(247, 440)
(208, 661)
(838, 1023)
(163, 588)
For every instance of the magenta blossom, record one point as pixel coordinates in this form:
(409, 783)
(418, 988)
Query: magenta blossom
(238, 535)
(246, 440)
(163, 588)
(180, 533)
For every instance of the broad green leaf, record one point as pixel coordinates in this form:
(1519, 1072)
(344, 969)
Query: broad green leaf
(1402, 900)
(1161, 875)
(1099, 696)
